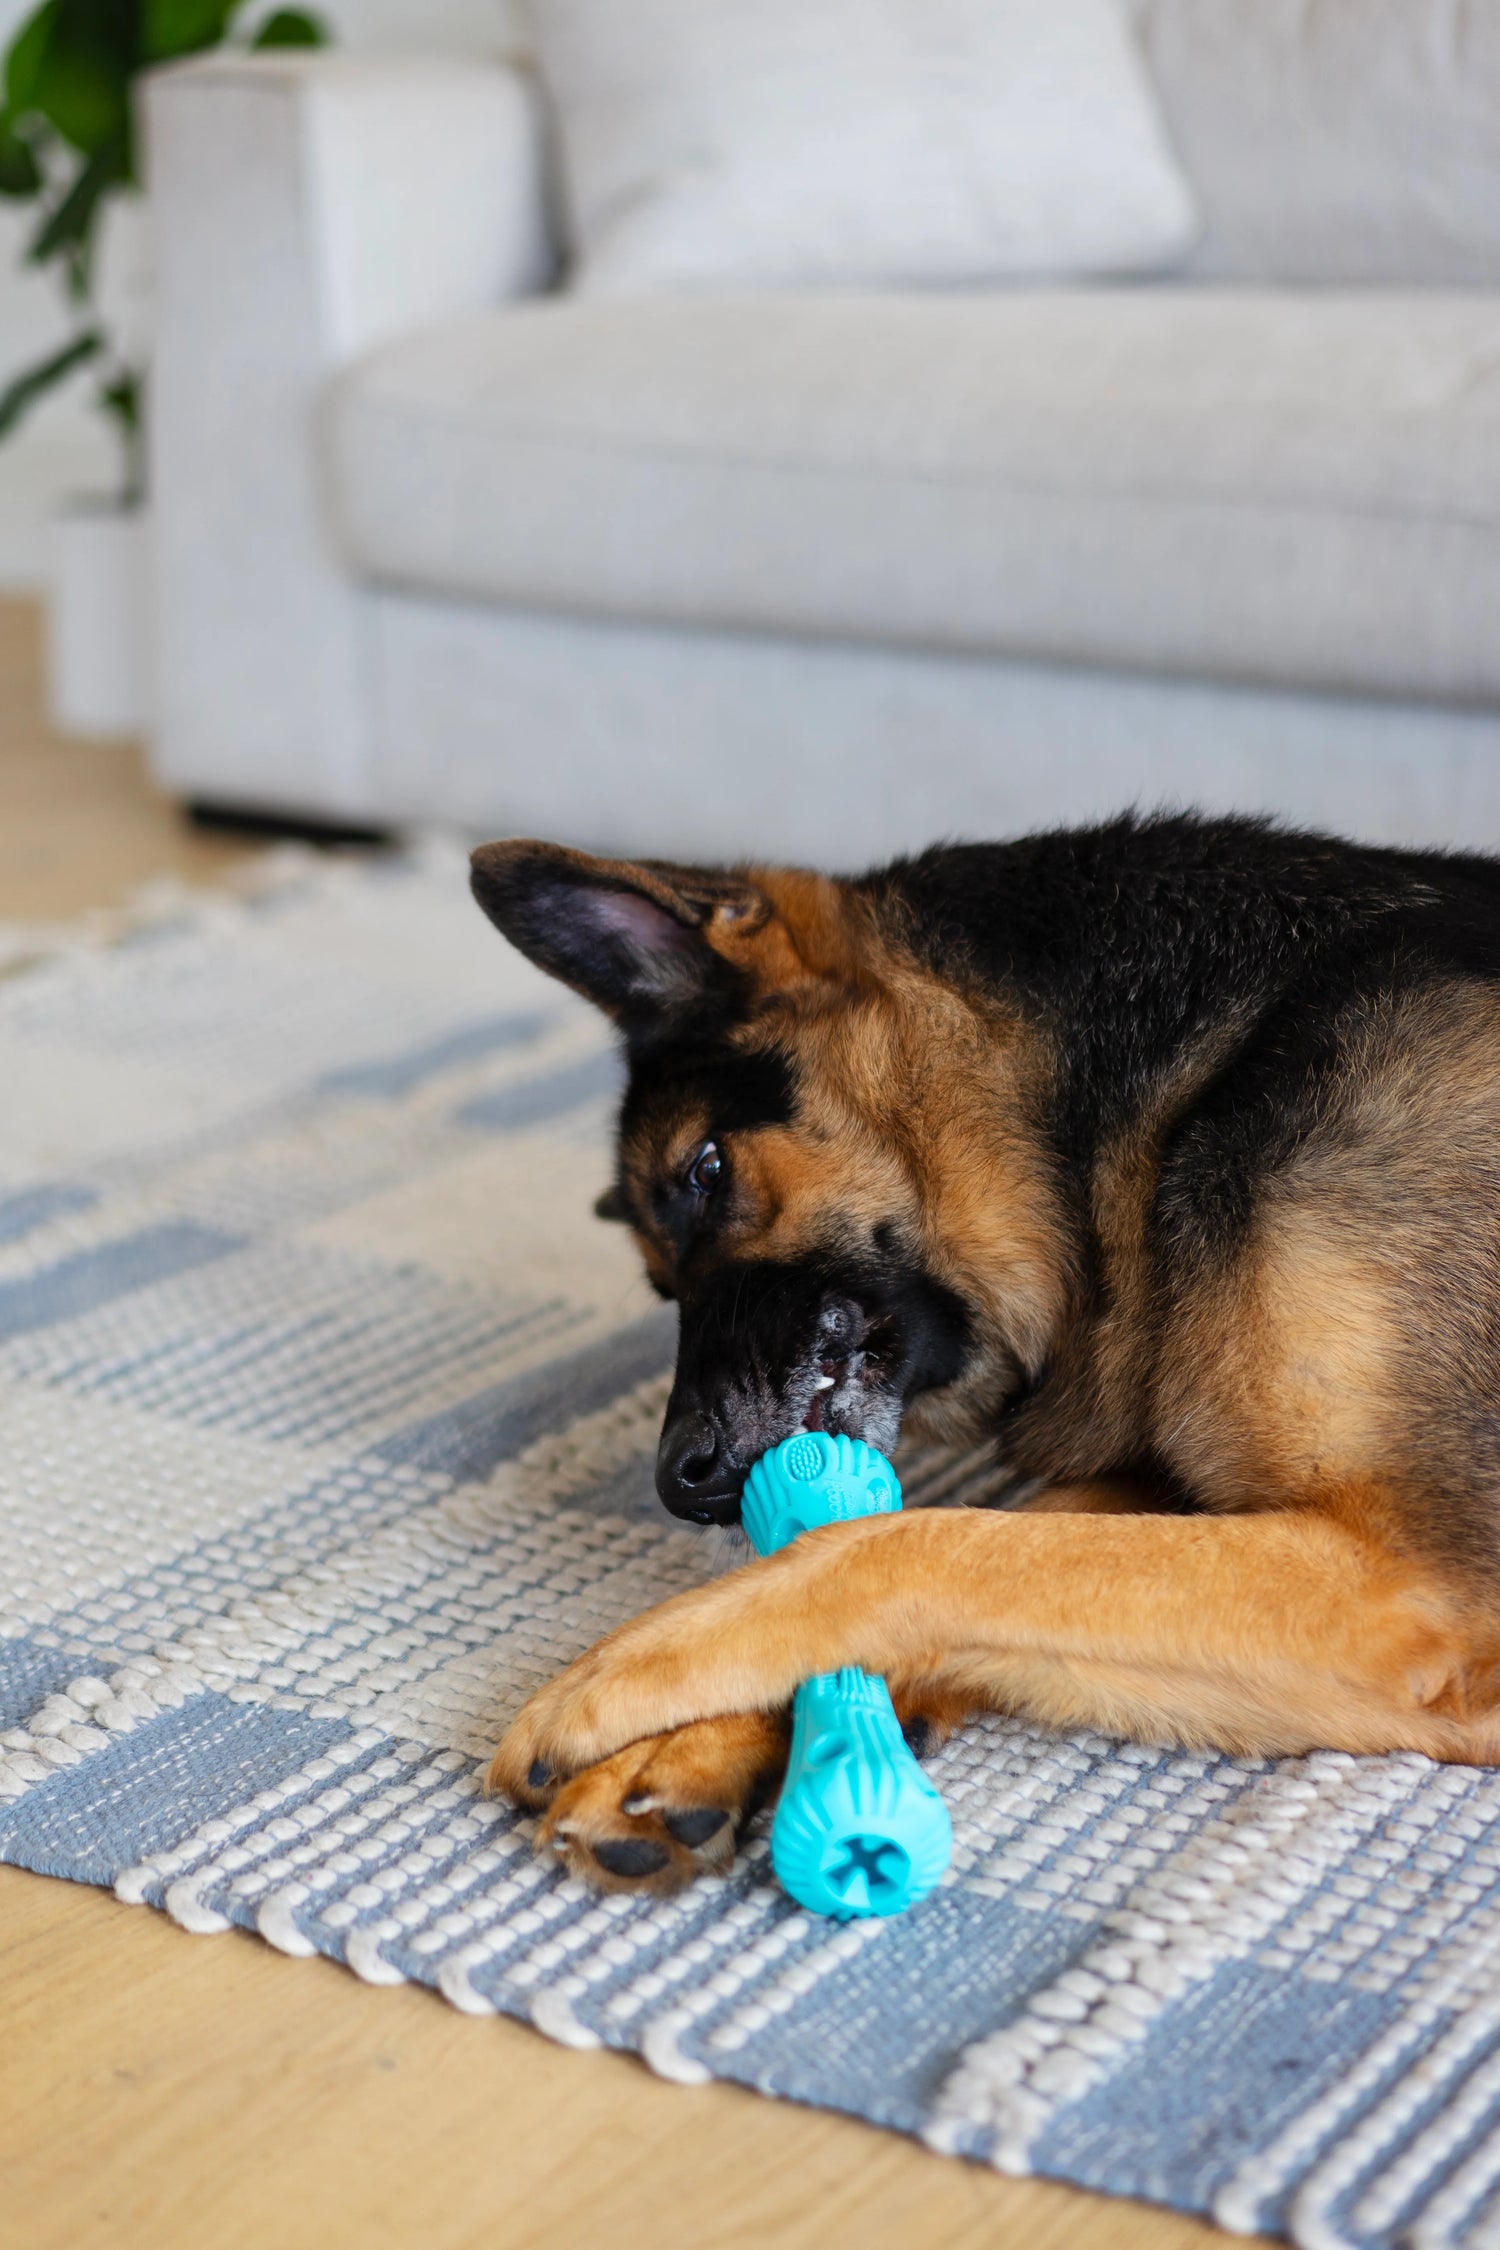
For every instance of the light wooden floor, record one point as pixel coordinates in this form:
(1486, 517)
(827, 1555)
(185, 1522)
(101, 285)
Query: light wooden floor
(191, 2093)
(79, 827)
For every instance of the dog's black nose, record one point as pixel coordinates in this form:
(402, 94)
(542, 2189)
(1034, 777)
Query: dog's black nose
(694, 1476)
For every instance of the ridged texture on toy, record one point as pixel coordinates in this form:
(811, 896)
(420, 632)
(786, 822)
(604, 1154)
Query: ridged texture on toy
(859, 1829)
(812, 1479)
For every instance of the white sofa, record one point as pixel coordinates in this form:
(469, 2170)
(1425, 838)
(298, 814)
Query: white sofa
(829, 575)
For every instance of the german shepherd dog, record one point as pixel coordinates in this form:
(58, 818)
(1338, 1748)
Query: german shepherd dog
(1166, 1155)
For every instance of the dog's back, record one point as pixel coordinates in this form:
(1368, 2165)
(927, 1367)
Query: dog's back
(1277, 1096)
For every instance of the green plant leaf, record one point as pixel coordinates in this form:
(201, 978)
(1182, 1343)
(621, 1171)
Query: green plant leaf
(111, 28)
(122, 398)
(68, 228)
(291, 27)
(21, 176)
(27, 388)
(85, 93)
(24, 58)
(184, 27)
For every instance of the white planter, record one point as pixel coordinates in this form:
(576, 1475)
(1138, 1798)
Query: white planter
(97, 620)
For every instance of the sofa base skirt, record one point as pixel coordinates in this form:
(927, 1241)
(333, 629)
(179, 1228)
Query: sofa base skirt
(633, 739)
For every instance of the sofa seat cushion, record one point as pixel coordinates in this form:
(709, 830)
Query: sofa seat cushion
(1252, 485)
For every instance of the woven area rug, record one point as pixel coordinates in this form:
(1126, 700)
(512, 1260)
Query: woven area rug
(326, 1421)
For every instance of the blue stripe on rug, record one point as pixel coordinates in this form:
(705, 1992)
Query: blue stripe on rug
(1211, 2080)
(905, 2009)
(155, 1786)
(31, 1208)
(29, 1673)
(469, 1441)
(400, 1074)
(532, 1101)
(91, 1278)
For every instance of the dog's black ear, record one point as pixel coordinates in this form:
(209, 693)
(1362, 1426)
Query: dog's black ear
(634, 936)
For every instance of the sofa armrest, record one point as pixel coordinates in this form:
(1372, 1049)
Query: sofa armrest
(419, 182)
(303, 208)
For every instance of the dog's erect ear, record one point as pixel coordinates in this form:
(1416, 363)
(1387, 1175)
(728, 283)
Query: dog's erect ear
(634, 936)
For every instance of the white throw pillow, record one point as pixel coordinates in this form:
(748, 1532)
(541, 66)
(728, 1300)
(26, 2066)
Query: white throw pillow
(763, 143)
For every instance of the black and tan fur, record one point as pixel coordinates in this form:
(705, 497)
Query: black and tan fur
(1167, 1155)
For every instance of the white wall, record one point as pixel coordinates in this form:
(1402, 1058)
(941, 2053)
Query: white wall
(465, 24)
(63, 446)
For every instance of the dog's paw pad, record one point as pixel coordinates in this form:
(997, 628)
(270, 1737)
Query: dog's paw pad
(630, 1857)
(694, 1828)
(540, 1776)
(666, 1810)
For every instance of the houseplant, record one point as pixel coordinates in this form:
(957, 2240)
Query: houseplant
(67, 146)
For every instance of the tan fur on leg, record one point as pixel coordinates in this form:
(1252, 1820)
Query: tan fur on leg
(1268, 1633)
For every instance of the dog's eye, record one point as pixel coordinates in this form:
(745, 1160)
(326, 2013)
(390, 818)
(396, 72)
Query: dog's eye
(706, 1169)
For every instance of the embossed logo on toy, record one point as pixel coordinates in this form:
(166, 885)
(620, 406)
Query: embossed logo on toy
(812, 1479)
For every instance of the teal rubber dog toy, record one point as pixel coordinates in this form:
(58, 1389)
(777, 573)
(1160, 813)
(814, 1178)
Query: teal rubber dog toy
(859, 1828)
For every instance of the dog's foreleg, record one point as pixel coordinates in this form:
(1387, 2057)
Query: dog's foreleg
(1259, 1633)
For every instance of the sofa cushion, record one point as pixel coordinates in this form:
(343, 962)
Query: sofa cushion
(712, 144)
(1336, 140)
(1257, 486)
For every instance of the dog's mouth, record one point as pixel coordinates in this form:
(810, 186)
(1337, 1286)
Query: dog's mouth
(815, 1416)
(848, 1394)
(704, 1457)
(863, 1355)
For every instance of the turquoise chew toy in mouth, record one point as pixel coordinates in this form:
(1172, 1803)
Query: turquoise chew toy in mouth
(859, 1828)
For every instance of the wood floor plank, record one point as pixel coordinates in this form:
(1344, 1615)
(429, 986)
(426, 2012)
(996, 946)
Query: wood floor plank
(165, 2092)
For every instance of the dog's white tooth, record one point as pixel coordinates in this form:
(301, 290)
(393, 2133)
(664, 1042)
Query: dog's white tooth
(823, 1383)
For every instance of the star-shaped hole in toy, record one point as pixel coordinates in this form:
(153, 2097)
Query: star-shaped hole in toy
(874, 1862)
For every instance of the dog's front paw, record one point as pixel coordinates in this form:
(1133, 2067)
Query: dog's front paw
(570, 1724)
(662, 1811)
(648, 1677)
